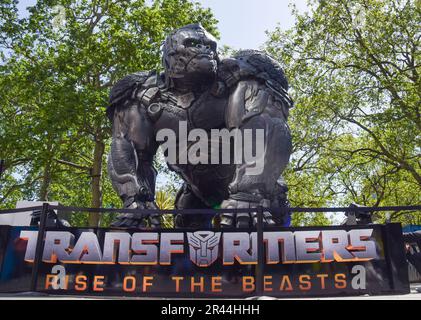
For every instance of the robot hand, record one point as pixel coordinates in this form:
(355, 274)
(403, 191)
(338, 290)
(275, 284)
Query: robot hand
(243, 220)
(131, 220)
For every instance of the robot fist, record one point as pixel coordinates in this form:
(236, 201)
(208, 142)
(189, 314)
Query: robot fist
(138, 220)
(243, 219)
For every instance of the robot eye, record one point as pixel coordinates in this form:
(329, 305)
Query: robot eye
(191, 43)
(211, 46)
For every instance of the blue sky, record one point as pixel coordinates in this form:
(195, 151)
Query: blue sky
(242, 23)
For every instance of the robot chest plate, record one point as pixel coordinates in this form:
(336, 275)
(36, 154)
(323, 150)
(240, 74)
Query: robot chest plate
(206, 112)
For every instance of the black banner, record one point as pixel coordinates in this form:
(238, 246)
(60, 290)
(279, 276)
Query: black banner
(306, 261)
(4, 234)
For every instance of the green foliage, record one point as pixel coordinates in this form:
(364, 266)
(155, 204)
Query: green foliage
(164, 199)
(353, 67)
(354, 70)
(55, 79)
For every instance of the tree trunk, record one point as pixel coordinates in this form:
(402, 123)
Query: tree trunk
(96, 181)
(46, 176)
(46, 180)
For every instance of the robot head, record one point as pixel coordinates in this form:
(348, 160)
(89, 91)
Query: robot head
(190, 53)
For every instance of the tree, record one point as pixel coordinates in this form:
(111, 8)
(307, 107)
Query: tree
(55, 84)
(354, 69)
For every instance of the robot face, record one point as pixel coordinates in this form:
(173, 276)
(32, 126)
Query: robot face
(191, 53)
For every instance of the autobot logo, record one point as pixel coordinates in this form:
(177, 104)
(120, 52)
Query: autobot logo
(203, 247)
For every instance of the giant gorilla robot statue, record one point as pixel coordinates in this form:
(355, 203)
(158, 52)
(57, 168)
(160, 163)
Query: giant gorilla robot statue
(248, 91)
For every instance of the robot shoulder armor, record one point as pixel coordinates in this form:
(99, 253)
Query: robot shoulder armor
(255, 65)
(127, 88)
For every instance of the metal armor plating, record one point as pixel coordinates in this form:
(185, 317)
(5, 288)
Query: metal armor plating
(245, 92)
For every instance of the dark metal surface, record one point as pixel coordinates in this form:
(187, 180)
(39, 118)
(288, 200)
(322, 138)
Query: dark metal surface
(413, 209)
(395, 256)
(245, 92)
(4, 235)
(39, 247)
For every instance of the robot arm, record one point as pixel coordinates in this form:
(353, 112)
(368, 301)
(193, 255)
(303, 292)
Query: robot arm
(254, 107)
(130, 163)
